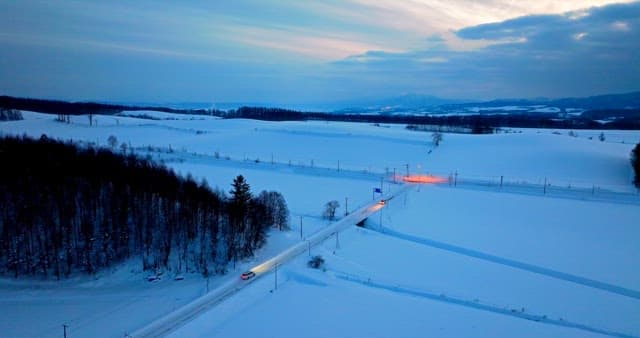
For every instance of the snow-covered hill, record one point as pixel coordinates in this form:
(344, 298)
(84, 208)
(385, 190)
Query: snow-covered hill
(453, 260)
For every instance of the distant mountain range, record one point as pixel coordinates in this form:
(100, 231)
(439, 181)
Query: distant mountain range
(406, 101)
(410, 103)
(431, 104)
(610, 101)
(417, 103)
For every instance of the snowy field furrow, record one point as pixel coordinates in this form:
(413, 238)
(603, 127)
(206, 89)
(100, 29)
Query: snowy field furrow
(514, 264)
(477, 305)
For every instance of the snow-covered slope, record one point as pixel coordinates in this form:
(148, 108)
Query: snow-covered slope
(448, 261)
(451, 262)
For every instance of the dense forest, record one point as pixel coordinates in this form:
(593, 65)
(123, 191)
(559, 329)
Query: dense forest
(67, 209)
(85, 108)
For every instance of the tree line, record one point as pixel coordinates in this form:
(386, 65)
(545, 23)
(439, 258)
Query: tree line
(87, 108)
(67, 209)
(10, 114)
(266, 114)
(478, 124)
(635, 164)
(628, 119)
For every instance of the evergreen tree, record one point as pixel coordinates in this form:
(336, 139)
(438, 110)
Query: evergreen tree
(238, 217)
(241, 192)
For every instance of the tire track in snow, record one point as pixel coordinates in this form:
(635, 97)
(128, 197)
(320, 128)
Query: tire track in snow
(592, 283)
(477, 305)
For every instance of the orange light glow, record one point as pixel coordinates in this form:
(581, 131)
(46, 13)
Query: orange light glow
(423, 179)
(375, 207)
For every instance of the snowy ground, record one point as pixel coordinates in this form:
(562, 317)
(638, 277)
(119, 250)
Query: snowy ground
(403, 288)
(447, 261)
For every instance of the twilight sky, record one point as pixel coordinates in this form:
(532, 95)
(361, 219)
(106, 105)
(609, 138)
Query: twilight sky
(292, 52)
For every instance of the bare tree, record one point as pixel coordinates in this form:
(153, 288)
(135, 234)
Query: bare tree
(123, 147)
(330, 210)
(10, 114)
(112, 141)
(280, 212)
(436, 137)
(277, 213)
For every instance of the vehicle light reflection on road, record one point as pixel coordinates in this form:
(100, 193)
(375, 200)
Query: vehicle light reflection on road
(376, 207)
(260, 268)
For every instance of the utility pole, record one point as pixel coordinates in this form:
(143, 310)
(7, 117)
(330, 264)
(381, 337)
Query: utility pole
(64, 327)
(545, 185)
(455, 179)
(309, 248)
(346, 206)
(276, 274)
(381, 180)
(407, 168)
(300, 227)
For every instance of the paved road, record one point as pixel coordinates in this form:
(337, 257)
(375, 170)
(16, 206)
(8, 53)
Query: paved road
(169, 323)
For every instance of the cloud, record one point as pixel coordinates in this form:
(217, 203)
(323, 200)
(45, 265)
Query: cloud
(323, 47)
(268, 50)
(536, 55)
(321, 30)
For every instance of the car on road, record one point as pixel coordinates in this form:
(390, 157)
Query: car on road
(382, 202)
(247, 275)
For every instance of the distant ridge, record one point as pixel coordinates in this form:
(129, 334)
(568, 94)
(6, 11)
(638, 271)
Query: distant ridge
(613, 111)
(608, 101)
(400, 103)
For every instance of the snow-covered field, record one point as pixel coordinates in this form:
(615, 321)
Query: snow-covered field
(446, 261)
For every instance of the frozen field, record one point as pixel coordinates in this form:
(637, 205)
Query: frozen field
(380, 284)
(445, 261)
